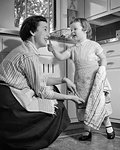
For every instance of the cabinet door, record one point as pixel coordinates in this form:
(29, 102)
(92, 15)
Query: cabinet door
(113, 63)
(114, 79)
(115, 4)
(94, 7)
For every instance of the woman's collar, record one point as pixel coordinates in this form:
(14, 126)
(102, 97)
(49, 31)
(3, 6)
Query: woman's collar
(32, 46)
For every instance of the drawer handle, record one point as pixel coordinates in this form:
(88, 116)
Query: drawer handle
(110, 51)
(110, 63)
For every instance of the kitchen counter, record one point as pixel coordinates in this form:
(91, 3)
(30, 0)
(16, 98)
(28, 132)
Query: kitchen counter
(60, 38)
(4, 31)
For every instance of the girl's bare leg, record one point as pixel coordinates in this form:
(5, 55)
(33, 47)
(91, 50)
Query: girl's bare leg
(108, 124)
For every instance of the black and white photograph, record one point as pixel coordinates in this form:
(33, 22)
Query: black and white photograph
(59, 74)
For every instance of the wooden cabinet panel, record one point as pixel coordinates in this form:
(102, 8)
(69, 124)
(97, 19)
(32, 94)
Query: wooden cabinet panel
(96, 9)
(114, 4)
(93, 7)
(114, 79)
(112, 51)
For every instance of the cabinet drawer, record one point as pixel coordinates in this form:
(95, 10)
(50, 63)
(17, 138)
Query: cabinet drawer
(113, 62)
(111, 49)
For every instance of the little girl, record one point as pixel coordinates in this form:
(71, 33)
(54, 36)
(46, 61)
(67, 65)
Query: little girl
(89, 59)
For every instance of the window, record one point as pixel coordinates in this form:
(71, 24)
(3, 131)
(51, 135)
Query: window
(26, 8)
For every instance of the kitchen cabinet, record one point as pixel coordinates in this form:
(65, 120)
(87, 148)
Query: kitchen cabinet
(112, 51)
(93, 7)
(114, 78)
(96, 9)
(114, 4)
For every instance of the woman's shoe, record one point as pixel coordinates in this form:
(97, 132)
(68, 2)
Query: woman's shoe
(110, 135)
(85, 137)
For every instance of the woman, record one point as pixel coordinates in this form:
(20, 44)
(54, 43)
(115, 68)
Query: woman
(31, 117)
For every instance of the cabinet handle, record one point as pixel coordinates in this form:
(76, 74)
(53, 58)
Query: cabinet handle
(110, 63)
(110, 51)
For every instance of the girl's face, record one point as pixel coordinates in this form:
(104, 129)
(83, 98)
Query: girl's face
(41, 35)
(77, 32)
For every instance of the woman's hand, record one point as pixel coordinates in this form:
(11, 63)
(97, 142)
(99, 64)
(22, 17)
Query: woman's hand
(77, 99)
(72, 88)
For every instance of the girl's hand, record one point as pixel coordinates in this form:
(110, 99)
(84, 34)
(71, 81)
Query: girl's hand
(70, 85)
(102, 69)
(50, 47)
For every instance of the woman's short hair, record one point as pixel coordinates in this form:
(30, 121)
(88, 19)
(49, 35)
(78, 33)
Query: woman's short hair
(86, 26)
(29, 25)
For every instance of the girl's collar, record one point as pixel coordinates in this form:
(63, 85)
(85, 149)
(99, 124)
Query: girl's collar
(82, 43)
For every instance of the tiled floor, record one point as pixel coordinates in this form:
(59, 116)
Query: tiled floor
(69, 141)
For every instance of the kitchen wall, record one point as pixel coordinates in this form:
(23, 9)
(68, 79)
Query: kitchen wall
(7, 14)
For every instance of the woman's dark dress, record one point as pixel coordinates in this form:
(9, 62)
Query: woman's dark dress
(23, 130)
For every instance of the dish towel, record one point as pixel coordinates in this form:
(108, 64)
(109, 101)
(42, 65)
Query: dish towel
(98, 105)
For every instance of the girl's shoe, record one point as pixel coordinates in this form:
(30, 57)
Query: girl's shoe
(86, 137)
(110, 135)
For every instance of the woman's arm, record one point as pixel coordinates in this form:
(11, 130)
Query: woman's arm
(70, 85)
(55, 81)
(39, 83)
(73, 98)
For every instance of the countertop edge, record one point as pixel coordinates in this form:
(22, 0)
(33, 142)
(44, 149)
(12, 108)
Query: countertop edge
(10, 32)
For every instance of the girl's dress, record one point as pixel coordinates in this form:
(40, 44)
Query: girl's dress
(86, 63)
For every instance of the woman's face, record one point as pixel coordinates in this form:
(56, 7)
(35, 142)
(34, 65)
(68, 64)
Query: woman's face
(41, 35)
